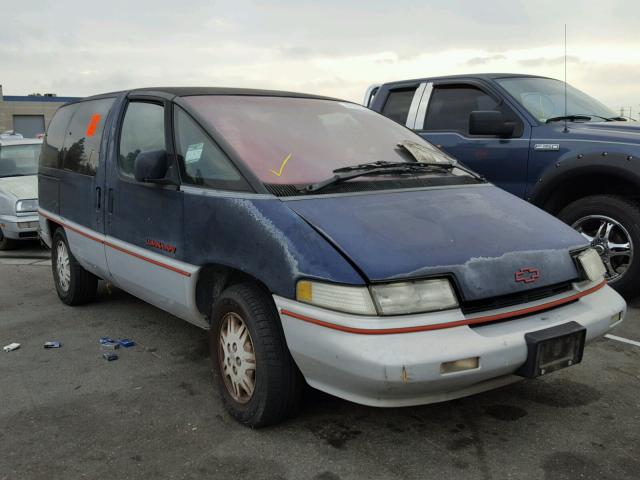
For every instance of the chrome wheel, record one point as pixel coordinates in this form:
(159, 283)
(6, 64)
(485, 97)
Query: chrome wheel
(237, 358)
(63, 266)
(611, 240)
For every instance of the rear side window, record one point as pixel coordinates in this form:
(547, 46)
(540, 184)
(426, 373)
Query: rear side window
(142, 130)
(201, 160)
(450, 107)
(54, 139)
(397, 105)
(84, 134)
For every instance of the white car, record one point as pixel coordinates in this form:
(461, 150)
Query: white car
(18, 189)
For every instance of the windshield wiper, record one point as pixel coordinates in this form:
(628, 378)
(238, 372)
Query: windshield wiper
(18, 175)
(373, 168)
(579, 116)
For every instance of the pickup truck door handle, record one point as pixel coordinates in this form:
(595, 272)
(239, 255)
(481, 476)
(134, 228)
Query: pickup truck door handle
(98, 198)
(110, 201)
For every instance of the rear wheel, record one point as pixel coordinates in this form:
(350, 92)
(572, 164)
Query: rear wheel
(611, 224)
(6, 243)
(257, 377)
(75, 285)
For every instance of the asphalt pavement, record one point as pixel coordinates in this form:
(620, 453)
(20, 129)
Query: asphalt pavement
(154, 413)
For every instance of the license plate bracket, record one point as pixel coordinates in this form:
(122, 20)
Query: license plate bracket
(553, 348)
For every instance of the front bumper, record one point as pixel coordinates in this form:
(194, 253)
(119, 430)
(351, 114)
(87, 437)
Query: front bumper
(401, 369)
(22, 227)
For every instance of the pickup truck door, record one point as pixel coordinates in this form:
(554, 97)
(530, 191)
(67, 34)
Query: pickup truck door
(442, 117)
(144, 243)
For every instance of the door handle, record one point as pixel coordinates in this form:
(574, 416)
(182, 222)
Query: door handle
(110, 201)
(98, 198)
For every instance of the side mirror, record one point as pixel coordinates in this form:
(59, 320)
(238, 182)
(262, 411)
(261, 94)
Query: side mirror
(490, 122)
(151, 166)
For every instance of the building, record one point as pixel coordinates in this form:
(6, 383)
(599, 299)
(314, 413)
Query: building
(29, 115)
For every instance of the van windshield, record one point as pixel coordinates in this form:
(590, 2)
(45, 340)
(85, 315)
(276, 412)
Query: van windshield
(19, 160)
(286, 140)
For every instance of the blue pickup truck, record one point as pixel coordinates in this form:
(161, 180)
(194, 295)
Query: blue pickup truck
(579, 162)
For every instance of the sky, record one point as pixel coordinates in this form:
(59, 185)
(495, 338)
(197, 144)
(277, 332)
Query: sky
(329, 47)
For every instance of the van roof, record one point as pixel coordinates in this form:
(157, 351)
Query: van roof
(191, 91)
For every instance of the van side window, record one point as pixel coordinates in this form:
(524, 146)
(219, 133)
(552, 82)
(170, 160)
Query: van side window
(54, 139)
(201, 160)
(451, 105)
(397, 105)
(84, 134)
(142, 130)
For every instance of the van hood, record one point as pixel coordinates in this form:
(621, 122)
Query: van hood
(480, 235)
(23, 188)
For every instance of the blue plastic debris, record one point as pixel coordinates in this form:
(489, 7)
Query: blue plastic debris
(126, 342)
(109, 343)
(53, 344)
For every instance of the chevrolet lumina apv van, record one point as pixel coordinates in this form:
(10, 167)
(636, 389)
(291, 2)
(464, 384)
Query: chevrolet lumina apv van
(318, 242)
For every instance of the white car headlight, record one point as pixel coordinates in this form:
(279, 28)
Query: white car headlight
(349, 299)
(414, 297)
(388, 299)
(30, 205)
(592, 264)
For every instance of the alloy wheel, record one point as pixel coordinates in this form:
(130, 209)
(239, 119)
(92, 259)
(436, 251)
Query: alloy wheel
(237, 358)
(63, 266)
(611, 240)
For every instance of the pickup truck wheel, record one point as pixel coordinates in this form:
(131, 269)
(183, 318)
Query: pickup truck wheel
(75, 285)
(6, 243)
(612, 225)
(259, 382)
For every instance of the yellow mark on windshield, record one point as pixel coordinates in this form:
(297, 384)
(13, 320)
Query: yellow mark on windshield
(282, 165)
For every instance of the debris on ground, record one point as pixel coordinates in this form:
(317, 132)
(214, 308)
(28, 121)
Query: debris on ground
(53, 344)
(126, 342)
(110, 356)
(11, 347)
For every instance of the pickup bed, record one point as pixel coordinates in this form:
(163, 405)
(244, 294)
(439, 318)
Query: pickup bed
(580, 162)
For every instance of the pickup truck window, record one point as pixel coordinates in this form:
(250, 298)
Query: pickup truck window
(286, 140)
(54, 139)
(544, 98)
(142, 130)
(450, 107)
(84, 133)
(396, 107)
(201, 160)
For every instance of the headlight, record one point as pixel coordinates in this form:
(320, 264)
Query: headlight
(388, 299)
(592, 264)
(414, 297)
(27, 205)
(336, 297)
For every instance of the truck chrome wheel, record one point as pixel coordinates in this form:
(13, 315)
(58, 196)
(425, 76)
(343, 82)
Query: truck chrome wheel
(62, 265)
(611, 240)
(237, 358)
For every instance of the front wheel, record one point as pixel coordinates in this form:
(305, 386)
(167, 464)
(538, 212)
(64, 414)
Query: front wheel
(259, 382)
(611, 224)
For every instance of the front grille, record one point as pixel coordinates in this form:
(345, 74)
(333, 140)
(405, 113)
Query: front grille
(503, 301)
(28, 234)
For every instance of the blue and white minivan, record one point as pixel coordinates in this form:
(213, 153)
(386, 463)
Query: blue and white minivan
(317, 241)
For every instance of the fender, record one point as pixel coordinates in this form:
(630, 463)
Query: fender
(568, 169)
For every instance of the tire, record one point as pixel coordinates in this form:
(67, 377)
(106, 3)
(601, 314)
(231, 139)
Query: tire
(75, 285)
(6, 243)
(276, 390)
(623, 265)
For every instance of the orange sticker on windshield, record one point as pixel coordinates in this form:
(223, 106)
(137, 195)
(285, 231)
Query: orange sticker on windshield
(93, 124)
